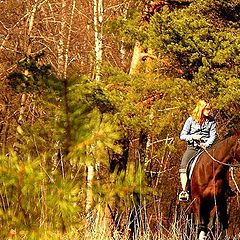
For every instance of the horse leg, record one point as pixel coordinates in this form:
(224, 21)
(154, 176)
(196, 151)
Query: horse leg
(223, 218)
(200, 219)
(195, 218)
(204, 220)
(212, 223)
(219, 222)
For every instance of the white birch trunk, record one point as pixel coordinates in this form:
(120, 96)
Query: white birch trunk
(148, 144)
(63, 45)
(89, 197)
(60, 46)
(63, 62)
(122, 48)
(20, 120)
(97, 21)
(69, 39)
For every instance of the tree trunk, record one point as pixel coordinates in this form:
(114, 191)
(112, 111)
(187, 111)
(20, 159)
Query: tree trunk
(122, 48)
(97, 21)
(62, 67)
(20, 120)
(89, 197)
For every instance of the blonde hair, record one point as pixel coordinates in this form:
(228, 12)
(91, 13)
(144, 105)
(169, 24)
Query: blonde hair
(198, 111)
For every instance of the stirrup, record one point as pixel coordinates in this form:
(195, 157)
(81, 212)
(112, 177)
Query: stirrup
(183, 196)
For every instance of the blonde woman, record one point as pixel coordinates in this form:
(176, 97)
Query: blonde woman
(199, 131)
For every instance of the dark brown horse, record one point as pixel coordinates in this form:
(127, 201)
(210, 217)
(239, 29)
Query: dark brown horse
(209, 183)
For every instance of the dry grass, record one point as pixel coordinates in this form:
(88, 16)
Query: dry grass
(99, 227)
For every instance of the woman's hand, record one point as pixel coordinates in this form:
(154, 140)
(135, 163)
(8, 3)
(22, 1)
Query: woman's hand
(196, 137)
(203, 145)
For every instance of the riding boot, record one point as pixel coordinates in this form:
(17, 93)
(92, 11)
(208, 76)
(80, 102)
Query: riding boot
(183, 196)
(183, 179)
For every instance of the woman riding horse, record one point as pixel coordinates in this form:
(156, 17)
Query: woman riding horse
(198, 131)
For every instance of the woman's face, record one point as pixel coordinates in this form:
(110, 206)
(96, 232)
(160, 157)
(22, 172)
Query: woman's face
(207, 110)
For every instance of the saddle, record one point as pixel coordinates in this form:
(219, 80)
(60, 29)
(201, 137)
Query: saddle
(192, 163)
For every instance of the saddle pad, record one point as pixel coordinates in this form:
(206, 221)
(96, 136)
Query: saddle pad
(192, 164)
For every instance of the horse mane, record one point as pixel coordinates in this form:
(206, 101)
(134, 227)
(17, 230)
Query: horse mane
(218, 144)
(228, 139)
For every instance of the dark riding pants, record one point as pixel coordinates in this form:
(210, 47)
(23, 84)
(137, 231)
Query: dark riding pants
(190, 152)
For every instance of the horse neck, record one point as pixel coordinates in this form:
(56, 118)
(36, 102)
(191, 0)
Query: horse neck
(222, 151)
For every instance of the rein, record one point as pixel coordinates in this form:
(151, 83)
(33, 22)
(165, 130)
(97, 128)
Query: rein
(215, 160)
(226, 164)
(234, 181)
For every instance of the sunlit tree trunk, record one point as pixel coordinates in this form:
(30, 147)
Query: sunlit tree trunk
(28, 43)
(98, 38)
(90, 176)
(122, 48)
(4, 125)
(69, 39)
(136, 58)
(98, 21)
(61, 45)
(62, 66)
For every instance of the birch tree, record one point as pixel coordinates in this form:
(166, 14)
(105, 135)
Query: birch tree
(98, 40)
(30, 23)
(98, 36)
(65, 35)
